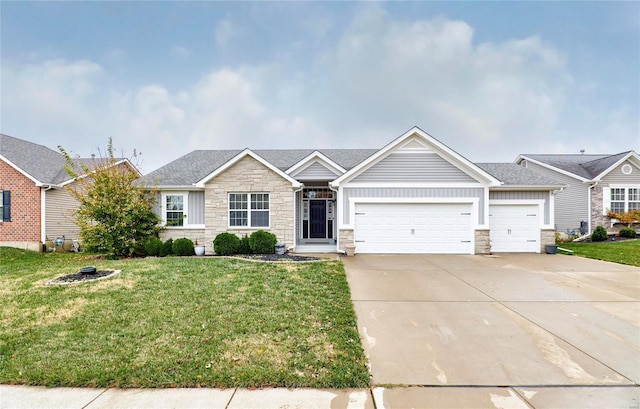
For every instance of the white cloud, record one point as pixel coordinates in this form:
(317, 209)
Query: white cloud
(488, 101)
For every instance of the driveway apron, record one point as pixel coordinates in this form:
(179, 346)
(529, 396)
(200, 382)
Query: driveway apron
(508, 320)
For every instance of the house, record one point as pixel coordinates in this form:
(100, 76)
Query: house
(36, 208)
(595, 185)
(415, 195)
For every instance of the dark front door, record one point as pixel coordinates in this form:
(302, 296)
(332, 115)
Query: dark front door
(318, 219)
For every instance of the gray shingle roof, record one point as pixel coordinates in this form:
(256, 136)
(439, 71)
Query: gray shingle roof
(587, 166)
(40, 162)
(194, 166)
(43, 164)
(515, 175)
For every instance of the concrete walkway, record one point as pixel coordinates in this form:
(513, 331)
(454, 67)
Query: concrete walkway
(23, 397)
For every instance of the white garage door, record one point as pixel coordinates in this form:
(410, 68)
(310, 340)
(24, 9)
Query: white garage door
(436, 228)
(514, 228)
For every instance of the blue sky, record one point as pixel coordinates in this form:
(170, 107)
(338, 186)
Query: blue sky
(489, 79)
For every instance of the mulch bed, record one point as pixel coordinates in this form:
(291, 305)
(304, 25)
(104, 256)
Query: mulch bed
(277, 257)
(80, 278)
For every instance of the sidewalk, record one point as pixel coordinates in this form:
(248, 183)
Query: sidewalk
(22, 397)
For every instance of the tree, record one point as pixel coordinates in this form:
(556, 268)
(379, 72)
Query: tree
(114, 215)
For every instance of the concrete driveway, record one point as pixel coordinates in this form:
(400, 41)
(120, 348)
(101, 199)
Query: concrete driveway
(530, 321)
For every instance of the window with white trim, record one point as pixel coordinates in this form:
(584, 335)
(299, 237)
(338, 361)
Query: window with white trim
(248, 209)
(624, 199)
(174, 209)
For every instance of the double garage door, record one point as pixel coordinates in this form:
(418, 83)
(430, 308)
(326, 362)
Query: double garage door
(436, 228)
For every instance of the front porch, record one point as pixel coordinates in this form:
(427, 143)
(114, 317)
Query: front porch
(315, 219)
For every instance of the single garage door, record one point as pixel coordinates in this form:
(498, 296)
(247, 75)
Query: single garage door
(514, 228)
(411, 228)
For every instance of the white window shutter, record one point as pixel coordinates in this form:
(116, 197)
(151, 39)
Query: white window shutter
(606, 200)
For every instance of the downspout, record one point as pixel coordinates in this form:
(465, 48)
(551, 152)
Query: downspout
(43, 213)
(336, 210)
(295, 217)
(589, 206)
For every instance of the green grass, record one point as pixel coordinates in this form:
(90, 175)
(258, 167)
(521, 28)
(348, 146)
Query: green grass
(623, 252)
(177, 322)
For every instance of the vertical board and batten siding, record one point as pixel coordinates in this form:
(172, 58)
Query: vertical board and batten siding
(59, 217)
(616, 177)
(425, 167)
(425, 193)
(316, 171)
(196, 208)
(523, 195)
(571, 204)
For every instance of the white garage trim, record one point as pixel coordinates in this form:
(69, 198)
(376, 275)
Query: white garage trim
(539, 203)
(383, 227)
(526, 233)
(474, 201)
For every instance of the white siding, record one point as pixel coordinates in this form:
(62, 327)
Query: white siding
(571, 204)
(425, 167)
(413, 193)
(523, 195)
(59, 218)
(616, 177)
(316, 171)
(196, 208)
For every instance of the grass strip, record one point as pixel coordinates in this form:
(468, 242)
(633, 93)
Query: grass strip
(178, 322)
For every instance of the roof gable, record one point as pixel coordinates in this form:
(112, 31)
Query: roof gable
(239, 157)
(417, 141)
(584, 167)
(316, 164)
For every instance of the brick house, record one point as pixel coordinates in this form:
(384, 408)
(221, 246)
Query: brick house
(35, 206)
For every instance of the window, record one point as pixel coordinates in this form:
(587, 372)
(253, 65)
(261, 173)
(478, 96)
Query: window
(5, 205)
(617, 200)
(174, 209)
(249, 209)
(624, 199)
(634, 198)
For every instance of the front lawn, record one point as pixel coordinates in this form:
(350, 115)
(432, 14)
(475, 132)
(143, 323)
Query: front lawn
(623, 252)
(177, 322)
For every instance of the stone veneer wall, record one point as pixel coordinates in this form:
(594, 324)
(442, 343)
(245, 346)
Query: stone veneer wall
(248, 176)
(599, 219)
(345, 239)
(547, 236)
(483, 242)
(193, 234)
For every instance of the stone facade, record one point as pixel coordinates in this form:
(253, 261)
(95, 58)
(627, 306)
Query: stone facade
(192, 234)
(482, 242)
(23, 230)
(345, 239)
(547, 236)
(249, 176)
(597, 218)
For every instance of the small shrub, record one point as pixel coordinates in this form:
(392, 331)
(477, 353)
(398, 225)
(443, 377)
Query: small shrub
(167, 248)
(226, 244)
(599, 234)
(183, 247)
(628, 232)
(152, 246)
(262, 242)
(245, 247)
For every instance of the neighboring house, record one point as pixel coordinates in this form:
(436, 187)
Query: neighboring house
(414, 195)
(595, 185)
(36, 207)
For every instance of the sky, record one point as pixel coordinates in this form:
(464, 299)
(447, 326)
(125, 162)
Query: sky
(491, 80)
